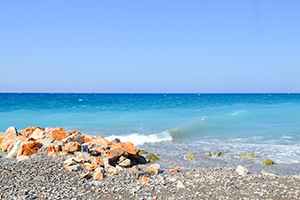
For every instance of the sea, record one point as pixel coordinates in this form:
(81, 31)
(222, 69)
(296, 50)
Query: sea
(264, 125)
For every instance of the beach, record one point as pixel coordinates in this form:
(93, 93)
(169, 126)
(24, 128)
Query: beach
(44, 177)
(171, 126)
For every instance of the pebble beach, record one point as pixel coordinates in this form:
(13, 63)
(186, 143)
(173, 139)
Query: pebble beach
(44, 177)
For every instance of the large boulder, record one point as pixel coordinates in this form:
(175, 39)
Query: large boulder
(38, 134)
(29, 148)
(58, 134)
(28, 131)
(126, 149)
(100, 140)
(14, 151)
(71, 147)
(77, 137)
(10, 134)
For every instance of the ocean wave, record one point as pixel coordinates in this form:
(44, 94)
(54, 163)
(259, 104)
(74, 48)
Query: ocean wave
(140, 139)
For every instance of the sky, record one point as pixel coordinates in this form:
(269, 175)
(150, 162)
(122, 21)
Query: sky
(207, 46)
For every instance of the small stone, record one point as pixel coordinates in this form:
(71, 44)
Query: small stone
(247, 156)
(268, 162)
(265, 173)
(143, 180)
(208, 154)
(91, 167)
(218, 154)
(241, 170)
(190, 156)
(174, 170)
(142, 151)
(180, 185)
(98, 175)
(125, 163)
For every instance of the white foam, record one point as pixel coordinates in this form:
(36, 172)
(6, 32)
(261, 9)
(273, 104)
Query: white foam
(140, 139)
(238, 112)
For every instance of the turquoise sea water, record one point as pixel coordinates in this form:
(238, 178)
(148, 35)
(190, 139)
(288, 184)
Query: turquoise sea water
(265, 125)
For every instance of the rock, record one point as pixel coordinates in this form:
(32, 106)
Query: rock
(241, 170)
(142, 151)
(48, 129)
(126, 149)
(29, 148)
(180, 185)
(208, 154)
(218, 154)
(156, 154)
(91, 167)
(125, 163)
(74, 138)
(80, 154)
(100, 169)
(62, 153)
(28, 131)
(141, 160)
(10, 134)
(88, 138)
(11, 146)
(100, 140)
(297, 176)
(228, 155)
(38, 134)
(48, 140)
(155, 168)
(58, 134)
(265, 173)
(98, 175)
(119, 168)
(247, 156)
(268, 162)
(97, 161)
(70, 163)
(69, 160)
(73, 168)
(143, 180)
(112, 170)
(52, 148)
(190, 156)
(96, 147)
(174, 170)
(53, 154)
(14, 152)
(72, 147)
(150, 158)
(21, 158)
(85, 175)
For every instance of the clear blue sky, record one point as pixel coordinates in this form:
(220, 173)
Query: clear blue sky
(150, 46)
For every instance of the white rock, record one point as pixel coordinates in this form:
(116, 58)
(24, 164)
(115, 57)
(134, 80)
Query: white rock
(38, 134)
(242, 170)
(265, 173)
(13, 153)
(74, 138)
(180, 185)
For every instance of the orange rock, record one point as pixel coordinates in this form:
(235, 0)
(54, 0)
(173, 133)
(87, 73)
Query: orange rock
(174, 170)
(29, 148)
(100, 140)
(143, 180)
(88, 138)
(74, 132)
(10, 134)
(97, 161)
(115, 152)
(48, 129)
(71, 147)
(62, 153)
(60, 129)
(98, 175)
(52, 148)
(150, 168)
(58, 134)
(129, 149)
(28, 131)
(91, 167)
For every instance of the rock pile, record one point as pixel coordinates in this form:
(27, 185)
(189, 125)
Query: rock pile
(97, 155)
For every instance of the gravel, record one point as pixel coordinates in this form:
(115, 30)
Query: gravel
(43, 177)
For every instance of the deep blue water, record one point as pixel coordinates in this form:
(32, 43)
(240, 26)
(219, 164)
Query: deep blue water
(261, 123)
